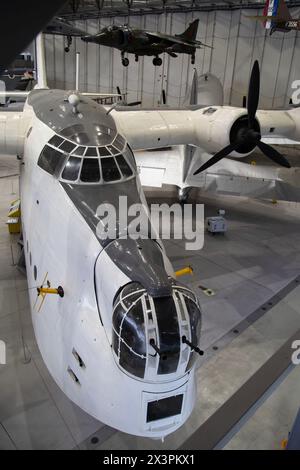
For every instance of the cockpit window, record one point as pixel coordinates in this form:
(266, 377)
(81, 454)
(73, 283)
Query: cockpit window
(110, 170)
(90, 172)
(79, 151)
(129, 340)
(56, 141)
(149, 333)
(103, 152)
(119, 142)
(123, 165)
(67, 146)
(195, 322)
(51, 160)
(91, 152)
(113, 150)
(111, 163)
(71, 170)
(128, 155)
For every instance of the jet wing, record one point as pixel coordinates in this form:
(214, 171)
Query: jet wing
(169, 40)
(62, 28)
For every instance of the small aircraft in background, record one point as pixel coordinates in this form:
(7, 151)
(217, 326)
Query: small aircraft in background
(141, 42)
(62, 27)
(276, 17)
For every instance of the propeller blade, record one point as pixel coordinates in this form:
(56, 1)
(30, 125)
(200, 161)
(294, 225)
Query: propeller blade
(275, 156)
(134, 103)
(253, 94)
(217, 157)
(119, 93)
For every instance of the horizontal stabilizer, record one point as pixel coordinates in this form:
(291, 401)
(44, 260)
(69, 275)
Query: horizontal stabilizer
(206, 45)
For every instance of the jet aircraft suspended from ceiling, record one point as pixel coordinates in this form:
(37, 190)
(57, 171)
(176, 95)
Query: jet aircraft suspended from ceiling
(141, 42)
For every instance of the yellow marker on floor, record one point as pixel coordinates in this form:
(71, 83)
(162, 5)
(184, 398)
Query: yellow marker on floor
(207, 291)
(284, 444)
(184, 271)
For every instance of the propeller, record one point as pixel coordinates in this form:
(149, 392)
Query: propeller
(124, 103)
(245, 133)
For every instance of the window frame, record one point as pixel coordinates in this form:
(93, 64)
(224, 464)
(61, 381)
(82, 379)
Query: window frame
(66, 155)
(57, 171)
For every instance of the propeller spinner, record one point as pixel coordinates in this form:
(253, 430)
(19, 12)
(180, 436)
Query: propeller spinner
(248, 132)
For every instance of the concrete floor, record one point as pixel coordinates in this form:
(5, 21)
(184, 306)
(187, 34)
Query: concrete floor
(247, 269)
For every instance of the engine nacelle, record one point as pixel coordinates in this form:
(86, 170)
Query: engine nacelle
(13, 127)
(219, 127)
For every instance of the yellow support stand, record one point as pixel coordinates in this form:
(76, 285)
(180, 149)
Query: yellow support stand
(253, 162)
(14, 217)
(184, 271)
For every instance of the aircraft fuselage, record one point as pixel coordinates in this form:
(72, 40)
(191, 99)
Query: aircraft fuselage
(83, 336)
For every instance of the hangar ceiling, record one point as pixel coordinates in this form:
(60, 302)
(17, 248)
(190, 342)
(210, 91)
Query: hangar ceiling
(87, 9)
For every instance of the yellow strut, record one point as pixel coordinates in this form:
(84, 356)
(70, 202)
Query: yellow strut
(184, 271)
(47, 290)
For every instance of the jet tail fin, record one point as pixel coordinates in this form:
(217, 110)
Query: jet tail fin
(283, 11)
(274, 11)
(190, 33)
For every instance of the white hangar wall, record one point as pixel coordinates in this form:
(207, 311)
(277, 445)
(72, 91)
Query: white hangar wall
(236, 40)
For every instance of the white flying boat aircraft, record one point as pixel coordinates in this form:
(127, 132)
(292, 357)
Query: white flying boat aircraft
(121, 336)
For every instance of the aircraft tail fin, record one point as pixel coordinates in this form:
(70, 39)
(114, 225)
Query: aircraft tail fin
(283, 11)
(275, 10)
(190, 33)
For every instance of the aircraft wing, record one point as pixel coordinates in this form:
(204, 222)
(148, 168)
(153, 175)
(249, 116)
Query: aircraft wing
(232, 177)
(207, 128)
(170, 39)
(62, 28)
(14, 94)
(94, 96)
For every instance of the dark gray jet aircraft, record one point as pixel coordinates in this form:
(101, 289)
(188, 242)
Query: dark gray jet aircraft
(63, 28)
(141, 42)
